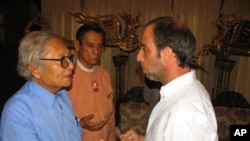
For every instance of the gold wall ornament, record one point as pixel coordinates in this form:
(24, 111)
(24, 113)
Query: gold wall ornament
(37, 22)
(233, 37)
(116, 36)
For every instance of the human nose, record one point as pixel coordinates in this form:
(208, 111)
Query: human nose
(139, 56)
(96, 49)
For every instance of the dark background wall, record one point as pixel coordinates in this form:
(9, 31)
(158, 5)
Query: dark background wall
(14, 16)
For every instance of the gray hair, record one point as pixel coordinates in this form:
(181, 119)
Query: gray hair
(31, 48)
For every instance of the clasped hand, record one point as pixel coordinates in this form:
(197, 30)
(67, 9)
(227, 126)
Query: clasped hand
(92, 126)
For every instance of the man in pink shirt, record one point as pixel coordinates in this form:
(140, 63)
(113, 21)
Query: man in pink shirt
(91, 92)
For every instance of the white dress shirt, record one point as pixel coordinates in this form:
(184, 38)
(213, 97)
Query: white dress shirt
(184, 112)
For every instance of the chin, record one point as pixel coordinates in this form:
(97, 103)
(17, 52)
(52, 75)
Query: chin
(151, 77)
(67, 83)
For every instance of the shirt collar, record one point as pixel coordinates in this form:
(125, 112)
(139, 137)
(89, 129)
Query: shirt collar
(79, 64)
(169, 90)
(46, 97)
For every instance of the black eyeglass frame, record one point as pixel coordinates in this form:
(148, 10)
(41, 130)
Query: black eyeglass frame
(64, 63)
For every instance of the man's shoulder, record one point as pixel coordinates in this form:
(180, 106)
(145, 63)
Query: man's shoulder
(101, 69)
(18, 102)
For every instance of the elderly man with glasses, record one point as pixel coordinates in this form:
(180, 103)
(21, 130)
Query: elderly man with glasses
(41, 109)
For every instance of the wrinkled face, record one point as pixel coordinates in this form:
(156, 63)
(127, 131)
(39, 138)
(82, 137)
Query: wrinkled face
(53, 76)
(91, 49)
(148, 55)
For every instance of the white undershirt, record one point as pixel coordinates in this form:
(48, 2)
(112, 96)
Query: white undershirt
(83, 67)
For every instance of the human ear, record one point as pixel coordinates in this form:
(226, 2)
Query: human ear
(34, 70)
(76, 45)
(167, 51)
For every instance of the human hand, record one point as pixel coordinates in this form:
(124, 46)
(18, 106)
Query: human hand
(131, 135)
(92, 126)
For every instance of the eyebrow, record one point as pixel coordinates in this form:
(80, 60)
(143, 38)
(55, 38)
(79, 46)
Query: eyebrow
(141, 44)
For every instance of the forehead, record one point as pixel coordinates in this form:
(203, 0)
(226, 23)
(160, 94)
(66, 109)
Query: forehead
(55, 46)
(148, 31)
(92, 35)
(148, 37)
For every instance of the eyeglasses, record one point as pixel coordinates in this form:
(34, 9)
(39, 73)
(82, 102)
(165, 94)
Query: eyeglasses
(65, 60)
